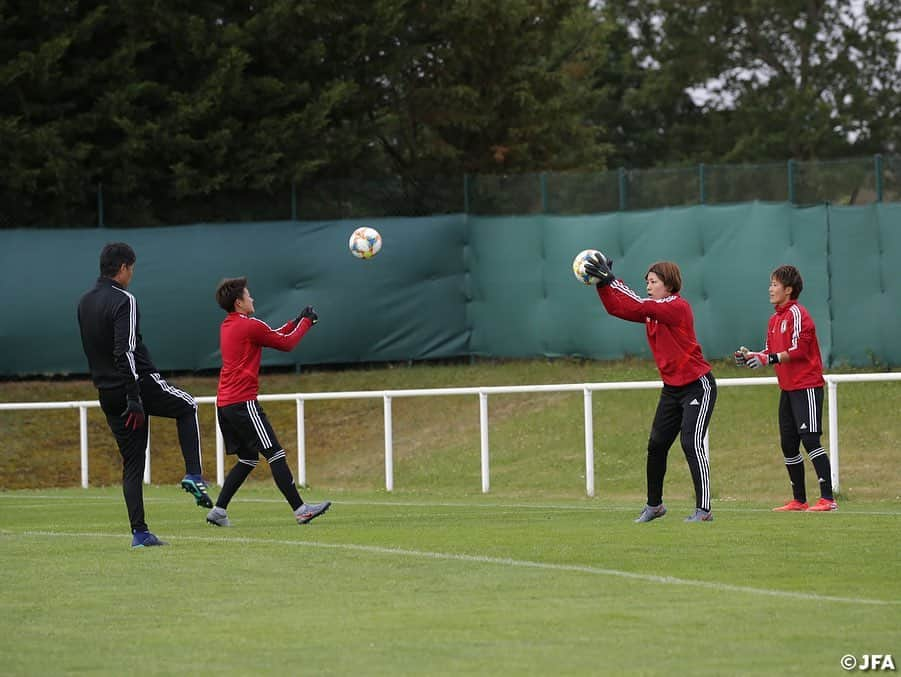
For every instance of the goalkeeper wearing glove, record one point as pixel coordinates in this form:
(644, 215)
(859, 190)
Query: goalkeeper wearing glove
(689, 389)
(792, 348)
(245, 427)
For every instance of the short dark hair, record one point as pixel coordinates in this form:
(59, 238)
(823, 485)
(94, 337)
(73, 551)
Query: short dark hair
(229, 291)
(669, 274)
(113, 256)
(788, 276)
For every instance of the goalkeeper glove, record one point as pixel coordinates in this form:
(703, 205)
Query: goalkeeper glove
(309, 313)
(758, 360)
(740, 359)
(601, 267)
(134, 413)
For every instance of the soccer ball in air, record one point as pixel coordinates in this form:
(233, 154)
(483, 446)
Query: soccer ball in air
(579, 266)
(365, 243)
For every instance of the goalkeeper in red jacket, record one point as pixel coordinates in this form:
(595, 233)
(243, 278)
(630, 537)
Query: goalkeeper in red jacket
(245, 428)
(689, 389)
(792, 348)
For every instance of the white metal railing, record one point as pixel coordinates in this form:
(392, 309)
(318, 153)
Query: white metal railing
(483, 392)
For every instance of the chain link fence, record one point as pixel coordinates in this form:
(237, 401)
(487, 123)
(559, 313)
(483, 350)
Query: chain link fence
(853, 181)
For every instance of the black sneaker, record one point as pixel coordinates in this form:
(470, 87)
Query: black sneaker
(308, 512)
(195, 486)
(144, 539)
(651, 512)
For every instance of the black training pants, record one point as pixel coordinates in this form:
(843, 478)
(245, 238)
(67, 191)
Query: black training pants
(684, 410)
(159, 399)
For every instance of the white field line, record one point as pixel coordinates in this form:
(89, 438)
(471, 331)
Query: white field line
(500, 561)
(636, 508)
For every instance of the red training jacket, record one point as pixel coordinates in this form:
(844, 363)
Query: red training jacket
(241, 340)
(670, 326)
(791, 329)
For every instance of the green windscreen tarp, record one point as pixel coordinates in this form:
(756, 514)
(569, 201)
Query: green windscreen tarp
(458, 285)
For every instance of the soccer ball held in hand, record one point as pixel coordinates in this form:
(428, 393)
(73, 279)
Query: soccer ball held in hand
(588, 275)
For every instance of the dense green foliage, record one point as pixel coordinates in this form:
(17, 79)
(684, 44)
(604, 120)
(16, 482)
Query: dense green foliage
(192, 111)
(771, 80)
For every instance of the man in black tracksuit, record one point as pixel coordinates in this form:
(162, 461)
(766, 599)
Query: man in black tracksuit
(129, 386)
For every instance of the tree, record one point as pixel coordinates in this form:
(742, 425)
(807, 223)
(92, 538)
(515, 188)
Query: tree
(476, 86)
(171, 109)
(769, 79)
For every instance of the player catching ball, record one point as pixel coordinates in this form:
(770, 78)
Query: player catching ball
(792, 347)
(689, 389)
(246, 430)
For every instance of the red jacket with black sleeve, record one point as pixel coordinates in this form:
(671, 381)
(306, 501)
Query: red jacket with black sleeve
(792, 330)
(670, 327)
(241, 340)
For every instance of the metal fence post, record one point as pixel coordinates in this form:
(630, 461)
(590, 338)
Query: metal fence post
(389, 445)
(220, 454)
(483, 436)
(878, 162)
(100, 205)
(542, 180)
(791, 181)
(832, 399)
(301, 443)
(466, 193)
(83, 438)
(703, 187)
(147, 455)
(589, 442)
(623, 187)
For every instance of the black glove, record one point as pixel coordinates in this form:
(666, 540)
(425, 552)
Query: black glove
(134, 413)
(309, 313)
(600, 267)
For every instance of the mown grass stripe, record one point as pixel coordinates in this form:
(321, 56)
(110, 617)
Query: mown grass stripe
(501, 561)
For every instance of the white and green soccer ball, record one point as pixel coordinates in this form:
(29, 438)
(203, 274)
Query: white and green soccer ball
(579, 266)
(365, 242)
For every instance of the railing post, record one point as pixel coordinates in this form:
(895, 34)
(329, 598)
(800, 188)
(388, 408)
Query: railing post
(483, 430)
(589, 444)
(791, 181)
(220, 454)
(83, 425)
(832, 388)
(878, 162)
(301, 445)
(147, 456)
(702, 183)
(389, 447)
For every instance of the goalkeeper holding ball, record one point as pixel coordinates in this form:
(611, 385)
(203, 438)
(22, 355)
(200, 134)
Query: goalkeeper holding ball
(689, 390)
(792, 347)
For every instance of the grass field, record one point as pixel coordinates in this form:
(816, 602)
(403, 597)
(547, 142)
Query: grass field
(407, 585)
(435, 577)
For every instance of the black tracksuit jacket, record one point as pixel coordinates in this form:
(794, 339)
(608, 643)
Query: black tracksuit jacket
(110, 334)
